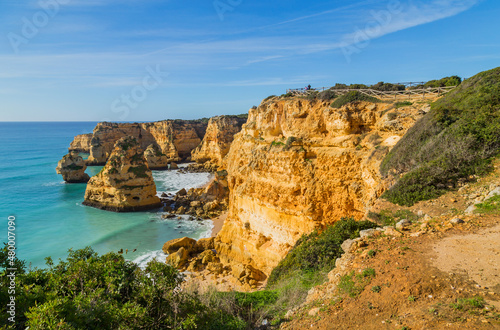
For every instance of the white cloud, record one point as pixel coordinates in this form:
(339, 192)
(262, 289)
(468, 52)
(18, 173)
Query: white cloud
(410, 14)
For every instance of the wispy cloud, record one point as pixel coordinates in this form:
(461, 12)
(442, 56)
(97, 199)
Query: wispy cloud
(118, 68)
(411, 14)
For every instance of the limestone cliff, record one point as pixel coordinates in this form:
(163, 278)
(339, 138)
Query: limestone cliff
(125, 183)
(81, 143)
(175, 138)
(215, 145)
(72, 168)
(155, 158)
(298, 165)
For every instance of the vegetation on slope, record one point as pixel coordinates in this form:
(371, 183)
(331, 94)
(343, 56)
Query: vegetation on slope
(88, 291)
(304, 267)
(443, 82)
(353, 96)
(452, 144)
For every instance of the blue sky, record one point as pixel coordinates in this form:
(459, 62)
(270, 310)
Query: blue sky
(144, 60)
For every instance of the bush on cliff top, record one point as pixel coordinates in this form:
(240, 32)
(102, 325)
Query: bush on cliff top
(353, 96)
(453, 143)
(318, 250)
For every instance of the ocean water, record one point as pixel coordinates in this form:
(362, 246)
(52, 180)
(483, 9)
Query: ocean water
(50, 218)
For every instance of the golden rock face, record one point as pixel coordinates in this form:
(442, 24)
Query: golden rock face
(298, 165)
(155, 158)
(125, 183)
(81, 143)
(72, 168)
(175, 139)
(217, 140)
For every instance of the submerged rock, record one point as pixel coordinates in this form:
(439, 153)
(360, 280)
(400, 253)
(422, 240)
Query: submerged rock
(72, 168)
(125, 184)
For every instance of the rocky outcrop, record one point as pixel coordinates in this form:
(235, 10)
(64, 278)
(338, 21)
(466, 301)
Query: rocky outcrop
(175, 138)
(125, 183)
(207, 202)
(181, 250)
(72, 168)
(81, 143)
(155, 158)
(298, 165)
(220, 133)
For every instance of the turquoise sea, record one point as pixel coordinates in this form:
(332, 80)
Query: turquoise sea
(50, 218)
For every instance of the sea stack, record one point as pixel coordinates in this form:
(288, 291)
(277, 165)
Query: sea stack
(125, 184)
(155, 158)
(72, 168)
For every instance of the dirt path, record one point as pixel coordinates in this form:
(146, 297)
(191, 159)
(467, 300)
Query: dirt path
(422, 281)
(474, 255)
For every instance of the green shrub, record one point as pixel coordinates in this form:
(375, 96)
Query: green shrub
(340, 86)
(243, 115)
(327, 95)
(402, 104)
(389, 218)
(453, 143)
(269, 97)
(277, 144)
(353, 285)
(352, 96)
(358, 86)
(74, 167)
(318, 251)
(347, 284)
(139, 171)
(444, 82)
(382, 86)
(491, 205)
(88, 291)
(289, 141)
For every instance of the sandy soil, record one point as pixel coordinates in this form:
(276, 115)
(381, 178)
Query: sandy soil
(218, 223)
(414, 292)
(423, 277)
(477, 255)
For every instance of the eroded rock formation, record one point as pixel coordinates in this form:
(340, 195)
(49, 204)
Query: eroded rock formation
(125, 183)
(298, 165)
(175, 138)
(155, 158)
(72, 168)
(81, 143)
(217, 141)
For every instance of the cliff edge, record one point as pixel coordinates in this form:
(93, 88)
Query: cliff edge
(301, 164)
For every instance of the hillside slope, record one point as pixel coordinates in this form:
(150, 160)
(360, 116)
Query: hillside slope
(450, 145)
